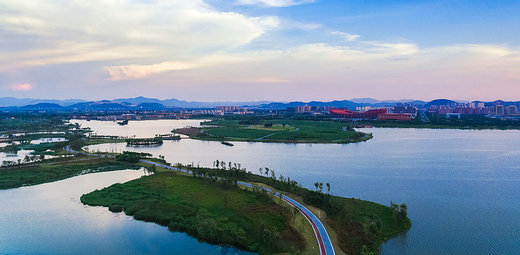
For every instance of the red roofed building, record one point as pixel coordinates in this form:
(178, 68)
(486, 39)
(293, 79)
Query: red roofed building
(379, 114)
(346, 114)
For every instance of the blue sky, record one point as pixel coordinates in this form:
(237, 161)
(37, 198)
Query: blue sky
(260, 49)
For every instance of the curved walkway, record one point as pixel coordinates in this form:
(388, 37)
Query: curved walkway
(324, 242)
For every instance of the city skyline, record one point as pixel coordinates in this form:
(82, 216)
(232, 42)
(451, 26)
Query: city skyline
(254, 50)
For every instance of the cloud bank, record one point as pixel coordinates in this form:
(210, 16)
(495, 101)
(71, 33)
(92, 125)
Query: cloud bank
(21, 87)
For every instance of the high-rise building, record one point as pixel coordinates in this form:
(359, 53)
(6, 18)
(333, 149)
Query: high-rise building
(302, 109)
(500, 110)
(511, 109)
(227, 108)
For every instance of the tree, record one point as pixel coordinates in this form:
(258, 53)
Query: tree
(328, 187)
(403, 213)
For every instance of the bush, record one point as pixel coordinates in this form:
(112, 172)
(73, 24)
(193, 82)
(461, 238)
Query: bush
(115, 208)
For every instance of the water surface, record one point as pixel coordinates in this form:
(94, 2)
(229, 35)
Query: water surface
(50, 219)
(140, 129)
(461, 186)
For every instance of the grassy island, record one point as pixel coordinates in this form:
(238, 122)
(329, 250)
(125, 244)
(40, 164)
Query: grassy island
(212, 213)
(276, 130)
(55, 170)
(218, 211)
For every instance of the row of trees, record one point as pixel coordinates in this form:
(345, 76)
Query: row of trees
(281, 183)
(145, 141)
(132, 157)
(225, 173)
(26, 160)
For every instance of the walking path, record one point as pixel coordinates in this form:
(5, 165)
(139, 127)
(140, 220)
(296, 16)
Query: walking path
(324, 242)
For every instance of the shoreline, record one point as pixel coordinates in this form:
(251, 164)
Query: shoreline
(376, 125)
(256, 176)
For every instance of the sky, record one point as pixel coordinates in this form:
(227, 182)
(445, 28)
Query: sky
(247, 50)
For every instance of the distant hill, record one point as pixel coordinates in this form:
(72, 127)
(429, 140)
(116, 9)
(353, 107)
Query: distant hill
(145, 103)
(184, 104)
(137, 100)
(150, 106)
(440, 102)
(364, 100)
(11, 101)
(43, 106)
(97, 106)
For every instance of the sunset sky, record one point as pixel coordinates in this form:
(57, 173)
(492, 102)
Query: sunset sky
(243, 50)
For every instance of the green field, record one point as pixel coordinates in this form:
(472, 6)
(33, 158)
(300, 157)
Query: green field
(283, 130)
(205, 210)
(14, 177)
(440, 122)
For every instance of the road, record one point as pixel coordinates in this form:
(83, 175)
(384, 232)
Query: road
(424, 118)
(324, 242)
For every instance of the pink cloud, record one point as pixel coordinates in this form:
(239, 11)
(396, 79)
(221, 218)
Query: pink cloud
(22, 87)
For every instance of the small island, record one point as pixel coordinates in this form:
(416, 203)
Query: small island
(275, 131)
(145, 141)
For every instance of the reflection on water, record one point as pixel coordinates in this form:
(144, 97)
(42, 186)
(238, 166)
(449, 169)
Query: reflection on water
(50, 219)
(461, 186)
(141, 129)
(14, 156)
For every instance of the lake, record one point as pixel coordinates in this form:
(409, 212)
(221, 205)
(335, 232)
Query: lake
(141, 129)
(461, 186)
(50, 219)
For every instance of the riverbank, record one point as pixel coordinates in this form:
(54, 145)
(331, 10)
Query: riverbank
(275, 131)
(510, 125)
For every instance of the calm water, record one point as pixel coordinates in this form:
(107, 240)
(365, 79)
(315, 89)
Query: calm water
(50, 219)
(461, 186)
(11, 156)
(141, 129)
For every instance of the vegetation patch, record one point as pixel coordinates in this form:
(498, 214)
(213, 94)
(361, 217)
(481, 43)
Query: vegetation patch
(467, 121)
(38, 174)
(205, 209)
(276, 130)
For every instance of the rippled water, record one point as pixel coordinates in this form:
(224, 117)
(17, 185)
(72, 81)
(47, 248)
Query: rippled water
(50, 219)
(461, 186)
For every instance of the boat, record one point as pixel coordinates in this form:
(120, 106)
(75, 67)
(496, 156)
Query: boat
(122, 123)
(227, 143)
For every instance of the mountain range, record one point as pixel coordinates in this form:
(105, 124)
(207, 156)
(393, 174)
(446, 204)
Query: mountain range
(144, 103)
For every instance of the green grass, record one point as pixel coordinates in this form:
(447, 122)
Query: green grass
(289, 131)
(33, 175)
(229, 216)
(440, 122)
(351, 232)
